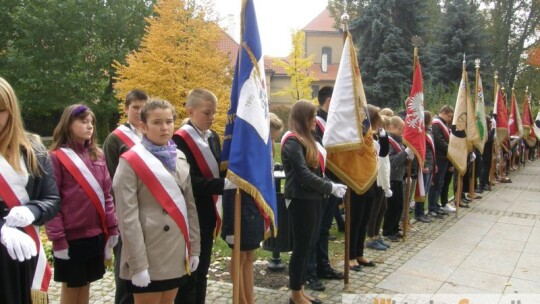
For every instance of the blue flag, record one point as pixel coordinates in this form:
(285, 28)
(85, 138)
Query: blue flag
(247, 146)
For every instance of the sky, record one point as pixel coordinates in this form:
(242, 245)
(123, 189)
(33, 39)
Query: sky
(276, 19)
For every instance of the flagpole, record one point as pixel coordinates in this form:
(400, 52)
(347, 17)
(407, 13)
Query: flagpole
(494, 148)
(235, 271)
(473, 171)
(346, 266)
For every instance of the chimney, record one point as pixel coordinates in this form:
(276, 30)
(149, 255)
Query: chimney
(231, 26)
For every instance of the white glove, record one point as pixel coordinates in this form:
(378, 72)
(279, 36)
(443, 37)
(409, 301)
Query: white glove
(338, 190)
(62, 254)
(473, 157)
(410, 153)
(388, 193)
(20, 216)
(193, 262)
(108, 253)
(141, 279)
(382, 132)
(113, 240)
(20, 245)
(229, 185)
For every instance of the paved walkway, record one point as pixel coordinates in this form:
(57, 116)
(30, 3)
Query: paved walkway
(493, 248)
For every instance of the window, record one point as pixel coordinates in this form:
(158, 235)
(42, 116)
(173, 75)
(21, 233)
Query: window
(328, 51)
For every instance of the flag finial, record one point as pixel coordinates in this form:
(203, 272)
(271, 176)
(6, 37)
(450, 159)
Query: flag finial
(464, 61)
(496, 74)
(477, 63)
(345, 18)
(526, 89)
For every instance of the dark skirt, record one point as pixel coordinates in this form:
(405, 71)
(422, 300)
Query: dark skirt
(252, 224)
(154, 286)
(86, 262)
(15, 278)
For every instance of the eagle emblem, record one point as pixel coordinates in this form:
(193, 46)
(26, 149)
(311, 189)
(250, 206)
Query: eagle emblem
(415, 112)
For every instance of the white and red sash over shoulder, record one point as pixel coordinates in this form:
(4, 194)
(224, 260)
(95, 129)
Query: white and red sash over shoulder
(321, 152)
(13, 192)
(395, 144)
(80, 172)
(206, 161)
(162, 184)
(443, 127)
(127, 136)
(321, 123)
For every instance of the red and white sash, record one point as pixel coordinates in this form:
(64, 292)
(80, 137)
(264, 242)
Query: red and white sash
(127, 136)
(163, 187)
(78, 169)
(14, 194)
(443, 127)
(206, 162)
(321, 152)
(395, 144)
(321, 123)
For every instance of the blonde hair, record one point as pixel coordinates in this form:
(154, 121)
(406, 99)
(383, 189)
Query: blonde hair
(62, 133)
(197, 95)
(302, 112)
(396, 121)
(153, 104)
(12, 136)
(275, 122)
(387, 112)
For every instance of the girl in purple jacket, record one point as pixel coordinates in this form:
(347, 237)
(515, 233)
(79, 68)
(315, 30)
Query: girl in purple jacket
(85, 229)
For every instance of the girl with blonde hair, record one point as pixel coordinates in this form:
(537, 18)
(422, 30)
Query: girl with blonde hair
(28, 196)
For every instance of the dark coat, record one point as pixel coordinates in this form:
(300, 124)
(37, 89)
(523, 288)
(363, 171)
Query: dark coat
(301, 181)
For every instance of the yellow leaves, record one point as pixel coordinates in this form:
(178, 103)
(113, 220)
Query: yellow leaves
(178, 54)
(297, 68)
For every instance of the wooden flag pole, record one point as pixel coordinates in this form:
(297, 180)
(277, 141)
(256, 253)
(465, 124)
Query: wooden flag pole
(473, 171)
(471, 180)
(347, 237)
(405, 224)
(495, 142)
(459, 190)
(236, 248)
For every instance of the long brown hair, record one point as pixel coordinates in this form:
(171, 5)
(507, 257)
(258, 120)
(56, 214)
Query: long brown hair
(300, 120)
(62, 133)
(12, 136)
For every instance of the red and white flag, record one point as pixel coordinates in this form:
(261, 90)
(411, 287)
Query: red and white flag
(414, 132)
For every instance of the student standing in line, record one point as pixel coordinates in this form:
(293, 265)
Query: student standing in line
(156, 211)
(117, 142)
(305, 189)
(203, 152)
(28, 196)
(85, 231)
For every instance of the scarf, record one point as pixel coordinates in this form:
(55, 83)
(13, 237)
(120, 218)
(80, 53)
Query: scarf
(166, 154)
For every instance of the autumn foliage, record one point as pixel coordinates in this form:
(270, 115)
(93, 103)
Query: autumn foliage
(178, 53)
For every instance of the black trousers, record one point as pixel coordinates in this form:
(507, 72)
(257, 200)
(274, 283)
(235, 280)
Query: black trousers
(486, 166)
(305, 216)
(445, 187)
(318, 257)
(360, 213)
(15, 278)
(394, 209)
(378, 209)
(193, 287)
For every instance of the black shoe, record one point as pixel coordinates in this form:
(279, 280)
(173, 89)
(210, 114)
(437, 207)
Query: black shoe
(356, 268)
(478, 190)
(332, 237)
(464, 205)
(392, 238)
(423, 219)
(465, 200)
(435, 214)
(314, 284)
(330, 273)
(442, 212)
(487, 188)
(316, 301)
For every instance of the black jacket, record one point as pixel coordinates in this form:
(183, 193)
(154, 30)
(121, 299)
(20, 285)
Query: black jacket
(301, 182)
(44, 198)
(203, 188)
(440, 140)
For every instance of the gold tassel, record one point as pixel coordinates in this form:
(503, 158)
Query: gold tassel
(39, 297)
(108, 263)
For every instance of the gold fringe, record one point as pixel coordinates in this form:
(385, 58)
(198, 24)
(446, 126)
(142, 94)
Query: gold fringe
(39, 297)
(344, 147)
(461, 170)
(108, 263)
(349, 181)
(257, 196)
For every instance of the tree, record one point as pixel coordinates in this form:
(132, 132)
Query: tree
(178, 53)
(353, 8)
(297, 68)
(384, 57)
(461, 32)
(59, 52)
(512, 27)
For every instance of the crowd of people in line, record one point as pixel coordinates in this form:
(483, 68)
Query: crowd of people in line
(156, 197)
